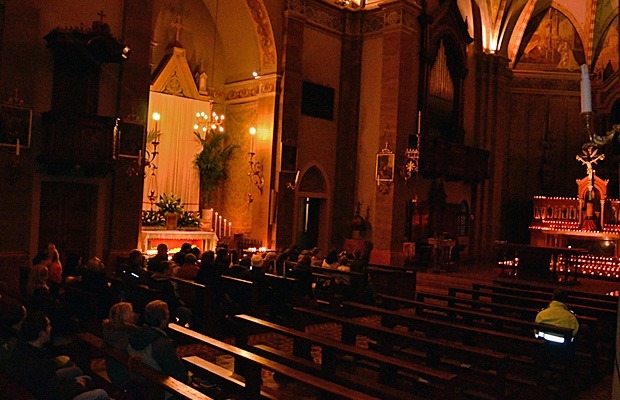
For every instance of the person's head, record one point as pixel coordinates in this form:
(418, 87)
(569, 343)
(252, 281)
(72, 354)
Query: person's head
(186, 247)
(156, 314)
(162, 249)
(38, 276)
(121, 313)
(54, 256)
(195, 251)
(136, 258)
(270, 257)
(189, 259)
(256, 261)
(167, 268)
(559, 295)
(207, 258)
(332, 256)
(245, 262)
(12, 312)
(36, 329)
(221, 252)
(304, 260)
(95, 264)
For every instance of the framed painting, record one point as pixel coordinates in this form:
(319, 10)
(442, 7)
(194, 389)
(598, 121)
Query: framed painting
(15, 124)
(385, 167)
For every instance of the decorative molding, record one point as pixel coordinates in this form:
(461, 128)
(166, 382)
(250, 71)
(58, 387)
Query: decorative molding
(251, 88)
(265, 34)
(175, 77)
(404, 15)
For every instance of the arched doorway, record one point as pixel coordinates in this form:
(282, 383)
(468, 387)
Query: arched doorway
(312, 219)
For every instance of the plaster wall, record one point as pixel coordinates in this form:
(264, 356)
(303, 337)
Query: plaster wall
(370, 130)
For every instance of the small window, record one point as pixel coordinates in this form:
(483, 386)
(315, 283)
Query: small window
(317, 101)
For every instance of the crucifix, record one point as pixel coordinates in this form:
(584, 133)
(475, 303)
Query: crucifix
(178, 27)
(101, 15)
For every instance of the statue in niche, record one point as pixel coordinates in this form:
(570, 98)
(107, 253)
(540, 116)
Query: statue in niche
(201, 78)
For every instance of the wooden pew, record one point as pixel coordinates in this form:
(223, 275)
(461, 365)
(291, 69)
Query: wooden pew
(595, 312)
(249, 367)
(200, 299)
(526, 313)
(435, 381)
(472, 317)
(158, 382)
(399, 281)
(611, 304)
(487, 369)
(528, 285)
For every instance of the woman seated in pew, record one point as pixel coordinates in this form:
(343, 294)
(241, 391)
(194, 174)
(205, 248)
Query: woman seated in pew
(206, 270)
(331, 261)
(116, 331)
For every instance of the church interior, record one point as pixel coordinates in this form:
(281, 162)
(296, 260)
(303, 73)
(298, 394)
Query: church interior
(426, 135)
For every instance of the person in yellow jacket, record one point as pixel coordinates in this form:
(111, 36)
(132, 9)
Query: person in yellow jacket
(558, 314)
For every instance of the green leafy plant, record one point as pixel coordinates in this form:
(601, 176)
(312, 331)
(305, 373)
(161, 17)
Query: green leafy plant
(212, 163)
(168, 203)
(189, 219)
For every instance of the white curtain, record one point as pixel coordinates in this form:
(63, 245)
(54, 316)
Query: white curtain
(178, 146)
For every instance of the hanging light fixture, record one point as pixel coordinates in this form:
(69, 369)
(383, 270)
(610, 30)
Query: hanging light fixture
(351, 4)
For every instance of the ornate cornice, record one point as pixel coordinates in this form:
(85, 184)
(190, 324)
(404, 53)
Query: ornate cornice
(265, 34)
(318, 13)
(391, 16)
(249, 89)
(545, 82)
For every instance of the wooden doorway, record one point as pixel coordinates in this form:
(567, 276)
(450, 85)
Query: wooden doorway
(68, 218)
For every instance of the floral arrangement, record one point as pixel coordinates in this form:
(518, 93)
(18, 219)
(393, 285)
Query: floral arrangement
(189, 219)
(168, 203)
(153, 218)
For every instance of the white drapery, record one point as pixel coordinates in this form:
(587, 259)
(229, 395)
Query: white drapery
(176, 173)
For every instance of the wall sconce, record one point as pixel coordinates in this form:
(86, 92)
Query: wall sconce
(293, 185)
(385, 169)
(412, 157)
(256, 168)
(146, 158)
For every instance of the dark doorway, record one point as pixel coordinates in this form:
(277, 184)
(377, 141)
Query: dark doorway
(309, 218)
(68, 219)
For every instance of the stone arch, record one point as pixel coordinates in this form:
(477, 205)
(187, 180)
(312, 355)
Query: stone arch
(313, 181)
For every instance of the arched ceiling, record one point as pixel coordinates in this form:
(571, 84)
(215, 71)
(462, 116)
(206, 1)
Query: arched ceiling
(243, 37)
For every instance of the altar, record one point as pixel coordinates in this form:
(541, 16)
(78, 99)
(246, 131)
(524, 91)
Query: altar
(149, 239)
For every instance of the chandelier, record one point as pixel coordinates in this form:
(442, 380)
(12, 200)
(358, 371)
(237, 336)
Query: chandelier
(351, 4)
(206, 121)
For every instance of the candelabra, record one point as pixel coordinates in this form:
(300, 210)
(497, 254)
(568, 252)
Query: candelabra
(206, 121)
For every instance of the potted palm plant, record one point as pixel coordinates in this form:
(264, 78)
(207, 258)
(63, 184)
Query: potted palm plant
(170, 206)
(212, 162)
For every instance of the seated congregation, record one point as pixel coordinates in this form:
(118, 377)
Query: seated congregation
(333, 327)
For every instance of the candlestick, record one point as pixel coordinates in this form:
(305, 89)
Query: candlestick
(419, 122)
(252, 133)
(17, 148)
(586, 90)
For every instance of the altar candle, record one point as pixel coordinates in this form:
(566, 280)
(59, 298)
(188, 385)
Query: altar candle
(220, 226)
(224, 226)
(17, 148)
(586, 91)
(419, 122)
(214, 223)
(230, 229)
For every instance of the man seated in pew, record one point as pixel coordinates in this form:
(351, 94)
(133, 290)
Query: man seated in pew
(94, 280)
(39, 373)
(161, 256)
(180, 256)
(304, 296)
(134, 273)
(153, 345)
(557, 314)
(160, 280)
(116, 331)
(188, 270)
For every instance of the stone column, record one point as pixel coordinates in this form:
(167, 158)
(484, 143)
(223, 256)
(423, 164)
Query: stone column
(290, 106)
(492, 82)
(133, 95)
(398, 117)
